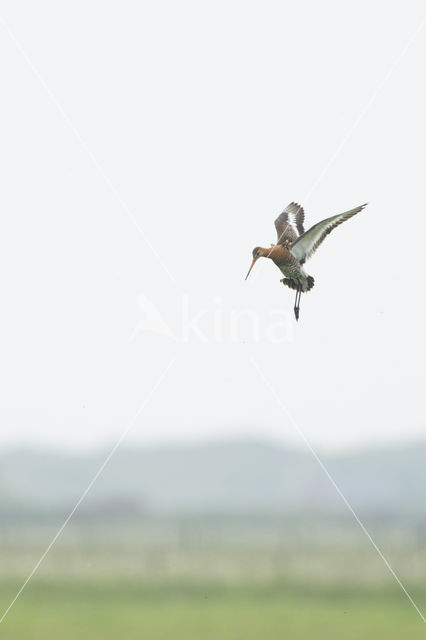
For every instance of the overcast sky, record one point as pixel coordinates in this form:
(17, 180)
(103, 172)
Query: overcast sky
(146, 149)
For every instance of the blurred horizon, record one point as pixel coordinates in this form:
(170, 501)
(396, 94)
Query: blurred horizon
(293, 443)
(235, 475)
(213, 540)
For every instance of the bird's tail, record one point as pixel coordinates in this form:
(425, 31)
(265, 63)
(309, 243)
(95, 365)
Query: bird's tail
(289, 282)
(311, 282)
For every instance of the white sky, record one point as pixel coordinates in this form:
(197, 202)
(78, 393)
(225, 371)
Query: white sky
(207, 119)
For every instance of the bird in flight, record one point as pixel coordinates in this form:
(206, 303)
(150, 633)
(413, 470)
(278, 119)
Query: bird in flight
(295, 245)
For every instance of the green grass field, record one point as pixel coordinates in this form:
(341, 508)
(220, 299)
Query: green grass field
(98, 588)
(174, 611)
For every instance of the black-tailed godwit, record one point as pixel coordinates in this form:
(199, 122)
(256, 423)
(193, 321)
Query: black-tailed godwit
(295, 245)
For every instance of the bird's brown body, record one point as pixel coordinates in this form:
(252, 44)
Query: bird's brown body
(294, 246)
(290, 267)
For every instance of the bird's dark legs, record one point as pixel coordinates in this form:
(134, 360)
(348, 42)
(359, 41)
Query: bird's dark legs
(292, 284)
(297, 302)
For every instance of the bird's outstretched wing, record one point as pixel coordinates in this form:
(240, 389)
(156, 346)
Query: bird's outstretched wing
(308, 243)
(289, 224)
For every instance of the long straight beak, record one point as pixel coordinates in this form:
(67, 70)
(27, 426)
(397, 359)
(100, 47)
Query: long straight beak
(252, 265)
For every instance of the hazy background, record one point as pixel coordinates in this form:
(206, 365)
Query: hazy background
(208, 119)
(146, 148)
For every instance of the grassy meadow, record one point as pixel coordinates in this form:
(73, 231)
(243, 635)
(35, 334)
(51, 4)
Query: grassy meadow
(173, 611)
(238, 541)
(98, 587)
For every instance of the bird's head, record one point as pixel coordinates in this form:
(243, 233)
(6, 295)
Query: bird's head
(257, 253)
